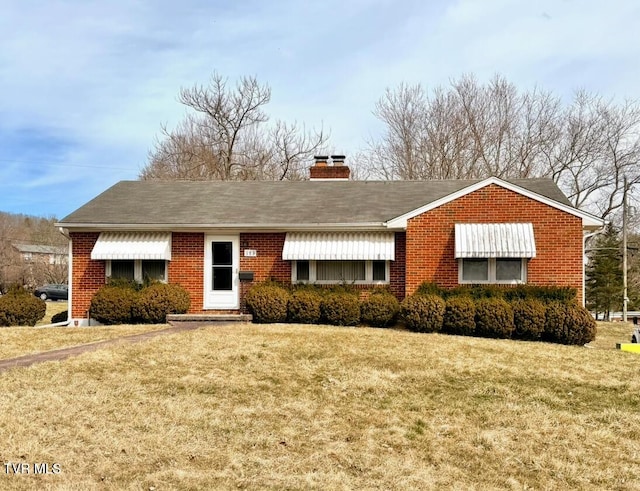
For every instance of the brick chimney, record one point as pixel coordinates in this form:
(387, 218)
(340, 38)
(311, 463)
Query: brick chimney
(321, 171)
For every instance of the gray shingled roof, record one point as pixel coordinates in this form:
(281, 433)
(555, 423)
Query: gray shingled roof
(265, 203)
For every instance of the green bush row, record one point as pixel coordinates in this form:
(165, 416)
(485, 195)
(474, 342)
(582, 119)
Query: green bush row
(523, 312)
(544, 293)
(127, 303)
(494, 317)
(270, 302)
(18, 307)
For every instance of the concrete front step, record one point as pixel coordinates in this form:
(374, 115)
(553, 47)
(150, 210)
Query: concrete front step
(174, 319)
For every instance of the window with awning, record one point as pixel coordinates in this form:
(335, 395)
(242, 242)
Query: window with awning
(332, 257)
(493, 252)
(137, 256)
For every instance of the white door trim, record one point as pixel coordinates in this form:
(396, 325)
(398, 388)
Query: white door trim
(227, 299)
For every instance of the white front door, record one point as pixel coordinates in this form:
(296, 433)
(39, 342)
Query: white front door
(222, 262)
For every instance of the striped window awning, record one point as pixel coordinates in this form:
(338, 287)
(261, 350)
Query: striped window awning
(133, 245)
(488, 240)
(334, 246)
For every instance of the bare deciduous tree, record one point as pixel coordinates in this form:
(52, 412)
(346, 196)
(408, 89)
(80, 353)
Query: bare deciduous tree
(599, 145)
(227, 137)
(470, 130)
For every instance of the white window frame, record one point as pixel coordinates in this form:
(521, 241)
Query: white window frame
(137, 270)
(368, 272)
(492, 272)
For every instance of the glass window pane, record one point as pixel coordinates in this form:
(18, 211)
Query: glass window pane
(340, 270)
(508, 269)
(475, 269)
(222, 278)
(379, 271)
(302, 270)
(328, 270)
(122, 269)
(222, 252)
(153, 270)
(353, 270)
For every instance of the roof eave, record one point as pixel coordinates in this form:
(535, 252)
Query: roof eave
(80, 226)
(589, 221)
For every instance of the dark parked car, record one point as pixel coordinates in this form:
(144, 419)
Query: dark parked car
(54, 292)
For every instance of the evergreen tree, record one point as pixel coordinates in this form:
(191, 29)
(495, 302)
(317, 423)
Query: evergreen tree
(604, 286)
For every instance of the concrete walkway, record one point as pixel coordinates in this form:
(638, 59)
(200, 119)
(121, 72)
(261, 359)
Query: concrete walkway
(64, 353)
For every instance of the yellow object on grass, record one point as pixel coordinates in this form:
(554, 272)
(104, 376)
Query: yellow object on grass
(630, 347)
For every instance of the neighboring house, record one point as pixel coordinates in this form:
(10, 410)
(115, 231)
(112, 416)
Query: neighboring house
(33, 265)
(42, 254)
(217, 238)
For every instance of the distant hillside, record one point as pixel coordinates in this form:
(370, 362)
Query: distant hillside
(28, 229)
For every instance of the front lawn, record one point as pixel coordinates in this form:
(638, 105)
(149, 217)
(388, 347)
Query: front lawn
(20, 341)
(314, 407)
(52, 309)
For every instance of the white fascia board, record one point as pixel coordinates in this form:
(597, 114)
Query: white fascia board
(588, 221)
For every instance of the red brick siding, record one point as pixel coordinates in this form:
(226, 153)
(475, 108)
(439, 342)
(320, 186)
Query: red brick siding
(88, 276)
(430, 239)
(268, 263)
(186, 267)
(398, 266)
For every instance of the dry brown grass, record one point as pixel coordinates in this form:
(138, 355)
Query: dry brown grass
(52, 309)
(612, 333)
(313, 407)
(19, 341)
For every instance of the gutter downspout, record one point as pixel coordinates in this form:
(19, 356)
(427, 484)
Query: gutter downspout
(584, 265)
(69, 282)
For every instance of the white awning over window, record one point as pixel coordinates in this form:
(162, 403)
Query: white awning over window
(484, 240)
(330, 246)
(133, 245)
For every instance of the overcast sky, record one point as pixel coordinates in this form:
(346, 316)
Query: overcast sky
(86, 84)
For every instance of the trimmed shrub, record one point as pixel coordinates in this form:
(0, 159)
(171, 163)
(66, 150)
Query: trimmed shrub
(494, 318)
(114, 305)
(544, 293)
(580, 326)
(486, 291)
(529, 317)
(459, 316)
(159, 299)
(555, 319)
(268, 302)
(59, 317)
(428, 288)
(569, 324)
(340, 309)
(380, 309)
(422, 313)
(304, 306)
(125, 283)
(20, 308)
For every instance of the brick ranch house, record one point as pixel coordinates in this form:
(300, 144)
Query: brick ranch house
(216, 239)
